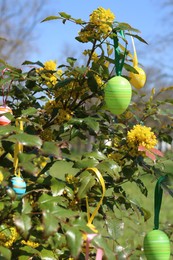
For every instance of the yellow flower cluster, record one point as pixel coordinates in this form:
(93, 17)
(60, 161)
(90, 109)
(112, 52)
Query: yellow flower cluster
(63, 114)
(8, 240)
(140, 135)
(51, 76)
(30, 243)
(99, 26)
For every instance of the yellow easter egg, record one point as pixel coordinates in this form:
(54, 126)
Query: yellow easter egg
(138, 80)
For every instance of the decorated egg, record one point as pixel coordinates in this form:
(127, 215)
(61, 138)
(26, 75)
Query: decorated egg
(3, 119)
(18, 185)
(138, 80)
(118, 94)
(157, 245)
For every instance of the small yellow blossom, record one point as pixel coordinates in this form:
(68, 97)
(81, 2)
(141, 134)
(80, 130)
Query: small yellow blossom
(30, 243)
(140, 135)
(8, 240)
(1, 177)
(99, 80)
(64, 115)
(50, 78)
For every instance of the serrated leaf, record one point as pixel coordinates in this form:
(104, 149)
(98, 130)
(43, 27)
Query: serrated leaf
(99, 242)
(29, 111)
(87, 162)
(74, 241)
(61, 168)
(26, 139)
(23, 224)
(92, 123)
(26, 207)
(46, 254)
(50, 223)
(57, 187)
(51, 148)
(6, 130)
(96, 154)
(87, 182)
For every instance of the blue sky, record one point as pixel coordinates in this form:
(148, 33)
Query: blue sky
(55, 40)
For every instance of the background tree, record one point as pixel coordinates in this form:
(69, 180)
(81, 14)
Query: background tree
(17, 22)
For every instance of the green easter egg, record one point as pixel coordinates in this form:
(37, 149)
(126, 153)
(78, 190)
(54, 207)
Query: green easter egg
(157, 245)
(118, 92)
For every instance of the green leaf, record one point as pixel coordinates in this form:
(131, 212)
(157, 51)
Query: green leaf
(130, 68)
(26, 139)
(29, 111)
(57, 187)
(142, 187)
(27, 251)
(87, 182)
(61, 168)
(71, 61)
(92, 123)
(96, 154)
(126, 26)
(51, 148)
(99, 242)
(23, 224)
(50, 18)
(65, 15)
(74, 241)
(27, 62)
(5, 253)
(137, 37)
(87, 162)
(50, 223)
(6, 130)
(26, 209)
(92, 83)
(64, 82)
(46, 254)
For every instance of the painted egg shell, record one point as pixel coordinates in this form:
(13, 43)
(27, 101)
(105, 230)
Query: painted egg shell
(157, 245)
(138, 80)
(118, 94)
(18, 185)
(3, 119)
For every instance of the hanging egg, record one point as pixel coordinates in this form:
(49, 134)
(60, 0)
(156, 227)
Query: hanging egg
(3, 119)
(118, 94)
(157, 245)
(18, 185)
(138, 80)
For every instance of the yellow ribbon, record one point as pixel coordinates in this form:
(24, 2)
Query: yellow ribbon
(17, 149)
(91, 217)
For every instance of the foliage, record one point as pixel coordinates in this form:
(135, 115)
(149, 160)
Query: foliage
(62, 109)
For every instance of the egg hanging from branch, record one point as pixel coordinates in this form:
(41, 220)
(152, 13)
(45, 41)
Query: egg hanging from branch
(118, 94)
(138, 79)
(157, 245)
(3, 119)
(18, 185)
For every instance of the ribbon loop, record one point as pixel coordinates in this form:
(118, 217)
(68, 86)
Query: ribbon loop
(158, 201)
(17, 149)
(92, 216)
(118, 64)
